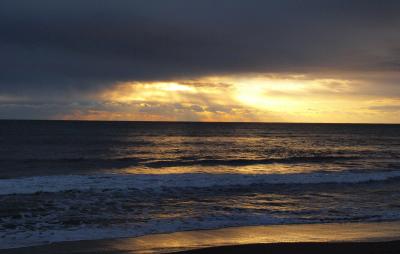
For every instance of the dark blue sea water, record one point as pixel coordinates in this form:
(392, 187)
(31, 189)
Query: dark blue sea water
(90, 180)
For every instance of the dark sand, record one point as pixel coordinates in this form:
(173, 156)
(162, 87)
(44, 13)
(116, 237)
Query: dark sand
(271, 248)
(381, 237)
(309, 248)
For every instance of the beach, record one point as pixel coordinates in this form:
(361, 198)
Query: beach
(314, 238)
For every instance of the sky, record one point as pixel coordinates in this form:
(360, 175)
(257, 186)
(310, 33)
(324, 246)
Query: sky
(208, 60)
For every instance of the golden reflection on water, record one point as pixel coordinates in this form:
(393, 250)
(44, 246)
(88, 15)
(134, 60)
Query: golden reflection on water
(200, 169)
(162, 243)
(271, 201)
(274, 168)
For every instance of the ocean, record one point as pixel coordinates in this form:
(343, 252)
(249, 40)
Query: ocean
(71, 180)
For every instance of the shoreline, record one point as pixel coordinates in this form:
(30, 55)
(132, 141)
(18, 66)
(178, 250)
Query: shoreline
(239, 239)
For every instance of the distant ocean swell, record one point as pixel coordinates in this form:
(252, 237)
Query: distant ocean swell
(244, 162)
(185, 161)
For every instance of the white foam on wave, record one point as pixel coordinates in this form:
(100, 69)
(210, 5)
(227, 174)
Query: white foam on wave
(60, 183)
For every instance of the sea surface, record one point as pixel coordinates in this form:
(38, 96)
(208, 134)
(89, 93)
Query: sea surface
(66, 180)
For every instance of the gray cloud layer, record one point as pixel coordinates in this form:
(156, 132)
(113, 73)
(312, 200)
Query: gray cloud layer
(67, 46)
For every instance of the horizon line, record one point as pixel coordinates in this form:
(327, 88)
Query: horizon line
(182, 121)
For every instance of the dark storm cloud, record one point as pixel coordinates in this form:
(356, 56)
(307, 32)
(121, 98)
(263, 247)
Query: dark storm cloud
(59, 46)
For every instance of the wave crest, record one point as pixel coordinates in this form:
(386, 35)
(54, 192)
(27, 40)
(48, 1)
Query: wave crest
(61, 183)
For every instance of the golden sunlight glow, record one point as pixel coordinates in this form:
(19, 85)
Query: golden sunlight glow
(145, 91)
(175, 87)
(270, 98)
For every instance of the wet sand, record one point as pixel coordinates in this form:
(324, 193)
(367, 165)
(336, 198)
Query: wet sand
(310, 238)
